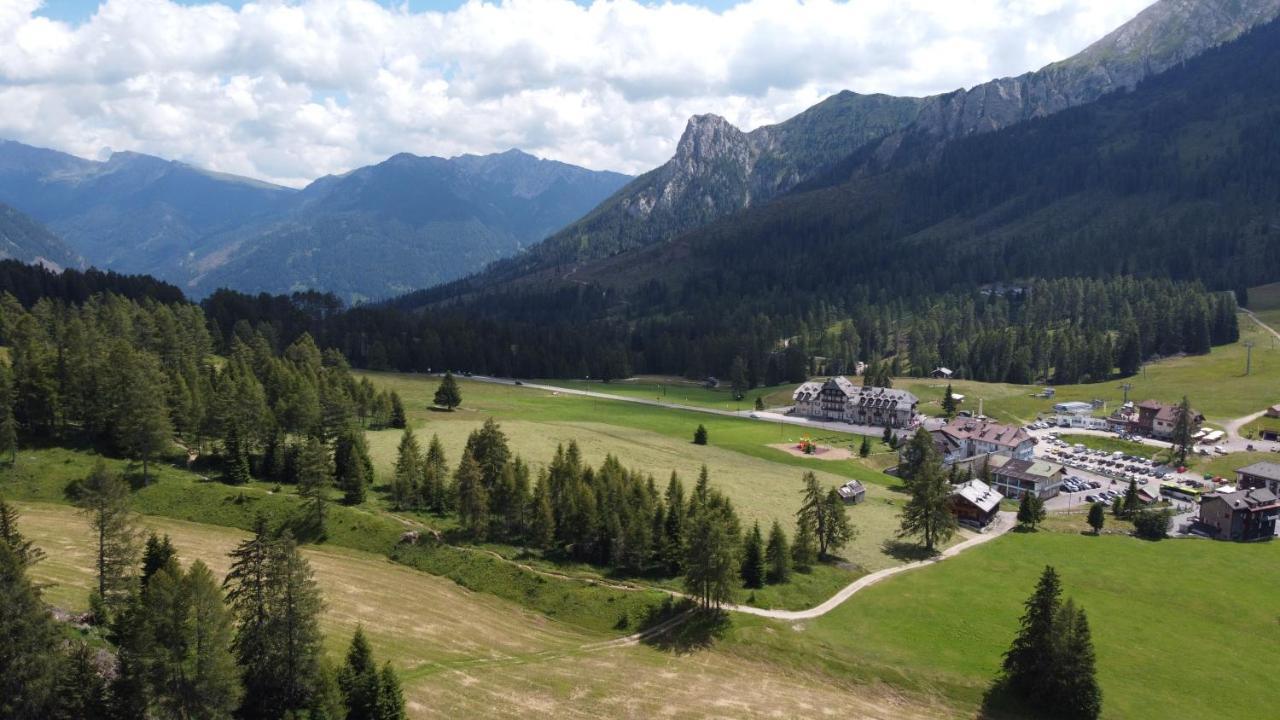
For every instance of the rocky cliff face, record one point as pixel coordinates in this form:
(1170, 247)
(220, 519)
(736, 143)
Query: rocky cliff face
(718, 169)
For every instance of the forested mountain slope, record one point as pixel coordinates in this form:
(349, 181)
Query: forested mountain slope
(22, 238)
(718, 169)
(406, 223)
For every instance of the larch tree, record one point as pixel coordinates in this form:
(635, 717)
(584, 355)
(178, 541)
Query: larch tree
(104, 500)
(927, 513)
(25, 550)
(408, 471)
(315, 475)
(435, 472)
(143, 427)
(473, 499)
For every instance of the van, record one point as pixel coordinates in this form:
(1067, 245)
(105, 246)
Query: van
(1078, 448)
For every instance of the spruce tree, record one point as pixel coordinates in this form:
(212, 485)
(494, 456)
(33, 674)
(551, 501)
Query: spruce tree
(104, 500)
(143, 428)
(448, 395)
(1029, 660)
(542, 520)
(390, 696)
(235, 457)
(759, 406)
(1132, 502)
(672, 549)
(81, 691)
(1181, 438)
(435, 470)
(156, 554)
(1097, 517)
(359, 680)
(1075, 694)
(777, 556)
(949, 403)
(753, 565)
(249, 595)
(837, 531)
(1030, 510)
(865, 448)
(711, 557)
(700, 435)
(398, 419)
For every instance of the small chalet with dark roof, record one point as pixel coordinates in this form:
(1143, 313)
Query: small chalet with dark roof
(974, 503)
(1248, 514)
(1260, 475)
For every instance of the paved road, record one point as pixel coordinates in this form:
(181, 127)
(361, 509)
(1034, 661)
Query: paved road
(1004, 522)
(761, 416)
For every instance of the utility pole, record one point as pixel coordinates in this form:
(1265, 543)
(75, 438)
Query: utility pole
(1248, 358)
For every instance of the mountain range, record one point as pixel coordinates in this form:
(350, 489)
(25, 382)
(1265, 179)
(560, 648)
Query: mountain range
(406, 223)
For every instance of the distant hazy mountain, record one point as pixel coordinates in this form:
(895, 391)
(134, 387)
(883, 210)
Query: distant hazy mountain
(131, 213)
(718, 170)
(406, 223)
(22, 238)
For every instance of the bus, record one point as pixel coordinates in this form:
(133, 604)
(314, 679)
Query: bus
(1174, 491)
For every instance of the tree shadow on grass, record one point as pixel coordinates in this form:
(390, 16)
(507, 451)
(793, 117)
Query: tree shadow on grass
(688, 628)
(906, 551)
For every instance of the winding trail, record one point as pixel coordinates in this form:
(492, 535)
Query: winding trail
(1004, 523)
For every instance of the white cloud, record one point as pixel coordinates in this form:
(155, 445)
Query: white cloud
(289, 91)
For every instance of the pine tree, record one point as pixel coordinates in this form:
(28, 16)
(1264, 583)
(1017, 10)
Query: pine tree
(473, 500)
(314, 479)
(700, 435)
(448, 396)
(865, 448)
(398, 419)
(711, 551)
(837, 531)
(1075, 684)
(753, 568)
(25, 550)
(353, 471)
(673, 526)
(435, 470)
(29, 639)
(1030, 510)
(1097, 517)
(359, 680)
(777, 556)
(408, 469)
(104, 500)
(759, 406)
(143, 428)
(249, 595)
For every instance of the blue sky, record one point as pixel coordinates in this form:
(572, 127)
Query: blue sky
(76, 11)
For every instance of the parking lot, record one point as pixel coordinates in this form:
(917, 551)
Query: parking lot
(1099, 475)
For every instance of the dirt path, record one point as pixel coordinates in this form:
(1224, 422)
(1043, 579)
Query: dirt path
(1261, 324)
(1005, 522)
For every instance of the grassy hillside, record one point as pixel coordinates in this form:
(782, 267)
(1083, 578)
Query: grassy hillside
(468, 654)
(1169, 619)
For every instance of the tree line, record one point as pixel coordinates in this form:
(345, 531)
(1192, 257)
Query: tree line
(179, 642)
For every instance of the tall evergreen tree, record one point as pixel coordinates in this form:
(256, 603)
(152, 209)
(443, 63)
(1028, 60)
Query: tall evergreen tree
(949, 403)
(1097, 517)
(359, 680)
(700, 435)
(353, 470)
(390, 696)
(777, 556)
(104, 500)
(927, 513)
(398, 419)
(25, 550)
(81, 690)
(542, 519)
(156, 554)
(314, 478)
(804, 551)
(1181, 438)
(435, 471)
(249, 595)
(448, 395)
(408, 471)
(1029, 661)
(753, 566)
(1030, 510)
(235, 456)
(29, 638)
(143, 428)
(473, 499)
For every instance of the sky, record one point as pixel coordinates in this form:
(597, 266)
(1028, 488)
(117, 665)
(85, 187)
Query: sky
(291, 90)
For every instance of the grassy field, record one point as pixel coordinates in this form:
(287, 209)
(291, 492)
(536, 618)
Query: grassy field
(680, 391)
(1112, 444)
(1264, 301)
(1169, 619)
(466, 654)
(1215, 383)
(763, 482)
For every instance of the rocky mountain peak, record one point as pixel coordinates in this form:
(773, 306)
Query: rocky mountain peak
(710, 138)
